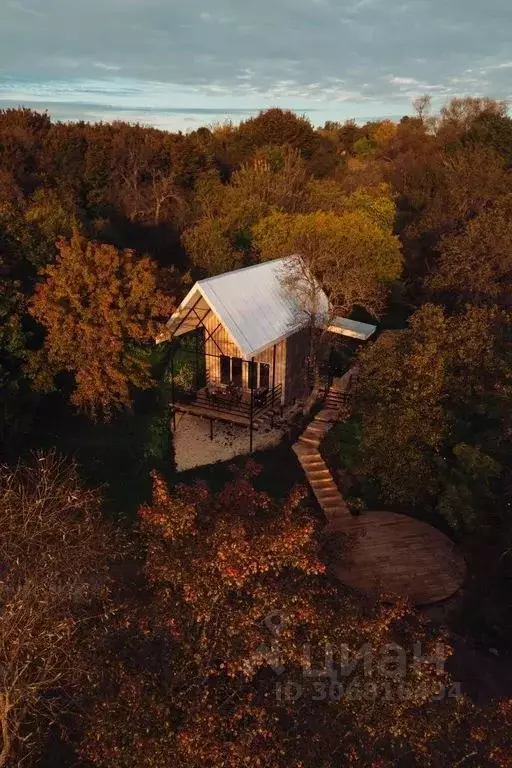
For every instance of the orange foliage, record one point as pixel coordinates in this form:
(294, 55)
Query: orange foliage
(98, 306)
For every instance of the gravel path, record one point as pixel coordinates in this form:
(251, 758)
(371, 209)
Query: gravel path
(193, 447)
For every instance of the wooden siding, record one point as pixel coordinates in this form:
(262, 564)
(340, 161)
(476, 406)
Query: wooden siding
(297, 348)
(221, 343)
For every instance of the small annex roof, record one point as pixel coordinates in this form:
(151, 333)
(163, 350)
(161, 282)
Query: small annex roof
(256, 305)
(351, 328)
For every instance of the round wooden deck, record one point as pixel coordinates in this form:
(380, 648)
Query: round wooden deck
(397, 556)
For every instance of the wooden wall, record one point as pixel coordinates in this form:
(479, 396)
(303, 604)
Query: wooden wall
(297, 349)
(222, 344)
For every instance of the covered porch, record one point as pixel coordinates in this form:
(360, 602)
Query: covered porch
(220, 387)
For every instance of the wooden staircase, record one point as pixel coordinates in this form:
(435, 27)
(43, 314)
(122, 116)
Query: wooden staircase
(307, 450)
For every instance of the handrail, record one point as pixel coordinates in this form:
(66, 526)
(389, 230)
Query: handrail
(225, 405)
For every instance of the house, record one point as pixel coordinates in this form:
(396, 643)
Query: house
(248, 333)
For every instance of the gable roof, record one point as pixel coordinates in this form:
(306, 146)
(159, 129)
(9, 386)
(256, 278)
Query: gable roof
(253, 304)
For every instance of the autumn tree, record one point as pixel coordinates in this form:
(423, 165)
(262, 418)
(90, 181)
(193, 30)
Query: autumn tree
(273, 180)
(495, 131)
(278, 126)
(98, 306)
(476, 264)
(376, 202)
(22, 136)
(15, 411)
(432, 401)
(353, 258)
(240, 612)
(54, 582)
(460, 113)
(467, 181)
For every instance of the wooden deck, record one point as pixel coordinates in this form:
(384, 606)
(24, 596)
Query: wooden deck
(212, 413)
(396, 555)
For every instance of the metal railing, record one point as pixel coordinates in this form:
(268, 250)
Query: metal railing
(239, 401)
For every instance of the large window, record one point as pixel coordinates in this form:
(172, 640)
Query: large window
(225, 369)
(236, 371)
(253, 375)
(264, 375)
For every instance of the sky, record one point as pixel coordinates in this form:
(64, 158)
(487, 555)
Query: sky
(180, 64)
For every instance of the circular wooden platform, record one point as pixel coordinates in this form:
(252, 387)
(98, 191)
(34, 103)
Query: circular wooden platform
(395, 555)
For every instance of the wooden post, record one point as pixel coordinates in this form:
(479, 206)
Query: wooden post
(251, 425)
(197, 359)
(173, 390)
(273, 384)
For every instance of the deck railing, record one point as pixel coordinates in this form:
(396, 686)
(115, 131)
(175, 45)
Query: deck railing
(239, 401)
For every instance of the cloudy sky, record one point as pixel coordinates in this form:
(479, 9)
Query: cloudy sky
(185, 63)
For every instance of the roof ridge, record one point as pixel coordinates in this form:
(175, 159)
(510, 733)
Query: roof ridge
(243, 269)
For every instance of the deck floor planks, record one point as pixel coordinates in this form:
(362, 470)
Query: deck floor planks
(398, 555)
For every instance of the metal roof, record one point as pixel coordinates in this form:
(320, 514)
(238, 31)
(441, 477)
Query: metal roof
(259, 306)
(352, 328)
(256, 305)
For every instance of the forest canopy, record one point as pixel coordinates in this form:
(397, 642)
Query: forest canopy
(162, 655)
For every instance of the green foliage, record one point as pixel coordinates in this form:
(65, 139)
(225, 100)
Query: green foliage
(475, 264)
(209, 246)
(354, 258)
(467, 488)
(421, 389)
(184, 376)
(364, 147)
(157, 446)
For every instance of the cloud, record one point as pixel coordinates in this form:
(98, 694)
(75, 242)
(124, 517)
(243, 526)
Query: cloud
(403, 80)
(16, 5)
(318, 56)
(106, 67)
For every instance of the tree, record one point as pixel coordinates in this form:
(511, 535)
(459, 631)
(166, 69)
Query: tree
(22, 137)
(433, 401)
(275, 177)
(15, 410)
(382, 132)
(98, 306)
(495, 131)
(476, 264)
(54, 582)
(210, 248)
(468, 179)
(422, 105)
(274, 180)
(457, 117)
(353, 258)
(377, 202)
(237, 598)
(278, 126)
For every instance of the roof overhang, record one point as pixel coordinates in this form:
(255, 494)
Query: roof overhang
(190, 314)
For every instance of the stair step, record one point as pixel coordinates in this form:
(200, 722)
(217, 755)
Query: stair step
(313, 461)
(332, 503)
(317, 427)
(309, 440)
(327, 490)
(316, 471)
(312, 432)
(325, 417)
(330, 499)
